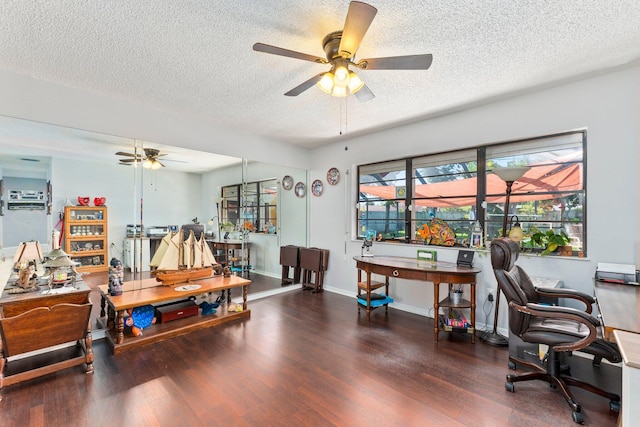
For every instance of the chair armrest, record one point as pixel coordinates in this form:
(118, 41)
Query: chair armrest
(568, 313)
(586, 299)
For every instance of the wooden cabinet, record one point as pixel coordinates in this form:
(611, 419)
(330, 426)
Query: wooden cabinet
(85, 237)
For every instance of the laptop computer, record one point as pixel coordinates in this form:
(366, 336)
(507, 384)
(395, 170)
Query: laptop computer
(465, 259)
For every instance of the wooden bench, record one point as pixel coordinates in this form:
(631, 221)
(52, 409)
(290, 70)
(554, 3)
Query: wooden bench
(41, 328)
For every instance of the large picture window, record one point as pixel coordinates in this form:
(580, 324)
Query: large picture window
(396, 198)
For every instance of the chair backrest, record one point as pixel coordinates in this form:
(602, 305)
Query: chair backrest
(513, 281)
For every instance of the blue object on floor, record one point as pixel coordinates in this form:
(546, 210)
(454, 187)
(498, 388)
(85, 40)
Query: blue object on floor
(376, 302)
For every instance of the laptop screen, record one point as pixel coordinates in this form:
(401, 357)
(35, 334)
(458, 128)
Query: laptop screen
(465, 258)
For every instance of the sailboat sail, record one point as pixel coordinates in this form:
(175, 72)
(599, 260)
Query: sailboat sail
(162, 249)
(185, 260)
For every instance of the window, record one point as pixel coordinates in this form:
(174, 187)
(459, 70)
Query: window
(257, 212)
(460, 188)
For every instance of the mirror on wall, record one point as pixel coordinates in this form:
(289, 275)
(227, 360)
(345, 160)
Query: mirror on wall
(182, 190)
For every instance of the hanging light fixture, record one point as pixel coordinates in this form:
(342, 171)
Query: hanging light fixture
(152, 164)
(516, 234)
(340, 81)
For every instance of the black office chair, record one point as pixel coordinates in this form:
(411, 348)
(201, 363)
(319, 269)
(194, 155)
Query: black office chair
(563, 329)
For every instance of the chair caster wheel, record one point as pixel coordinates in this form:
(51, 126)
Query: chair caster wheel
(509, 386)
(614, 406)
(577, 417)
(512, 365)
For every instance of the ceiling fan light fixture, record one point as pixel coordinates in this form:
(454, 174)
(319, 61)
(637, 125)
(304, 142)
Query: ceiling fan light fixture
(341, 77)
(339, 91)
(355, 82)
(326, 82)
(155, 165)
(147, 164)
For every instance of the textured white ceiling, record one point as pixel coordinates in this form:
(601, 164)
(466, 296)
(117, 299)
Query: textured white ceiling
(195, 57)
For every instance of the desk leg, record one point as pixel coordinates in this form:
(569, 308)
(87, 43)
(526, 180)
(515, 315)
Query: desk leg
(386, 290)
(473, 312)
(436, 305)
(120, 327)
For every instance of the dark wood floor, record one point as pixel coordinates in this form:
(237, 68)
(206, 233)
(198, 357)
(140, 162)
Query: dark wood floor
(302, 359)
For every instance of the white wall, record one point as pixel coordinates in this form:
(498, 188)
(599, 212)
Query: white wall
(606, 105)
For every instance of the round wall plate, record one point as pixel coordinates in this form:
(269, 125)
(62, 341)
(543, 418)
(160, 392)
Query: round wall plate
(287, 182)
(317, 187)
(300, 189)
(333, 176)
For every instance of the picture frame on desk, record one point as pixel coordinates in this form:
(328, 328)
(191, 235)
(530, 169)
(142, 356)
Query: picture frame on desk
(476, 240)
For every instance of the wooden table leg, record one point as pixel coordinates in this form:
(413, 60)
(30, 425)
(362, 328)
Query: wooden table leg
(111, 317)
(103, 302)
(473, 312)
(436, 305)
(120, 327)
(88, 350)
(245, 292)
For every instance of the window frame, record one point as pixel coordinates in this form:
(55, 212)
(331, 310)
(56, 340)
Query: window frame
(263, 215)
(483, 155)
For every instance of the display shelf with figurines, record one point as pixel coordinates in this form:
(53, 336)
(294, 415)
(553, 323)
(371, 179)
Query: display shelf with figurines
(85, 237)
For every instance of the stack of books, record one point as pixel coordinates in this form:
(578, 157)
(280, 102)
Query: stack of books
(455, 318)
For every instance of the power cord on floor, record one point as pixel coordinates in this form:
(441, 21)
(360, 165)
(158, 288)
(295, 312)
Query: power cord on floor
(489, 301)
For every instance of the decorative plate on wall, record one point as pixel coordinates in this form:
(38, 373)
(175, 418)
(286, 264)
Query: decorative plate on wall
(317, 187)
(333, 176)
(300, 189)
(287, 182)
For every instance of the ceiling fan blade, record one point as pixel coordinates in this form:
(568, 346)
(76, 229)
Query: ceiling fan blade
(364, 94)
(304, 86)
(359, 18)
(261, 47)
(129, 160)
(122, 153)
(409, 62)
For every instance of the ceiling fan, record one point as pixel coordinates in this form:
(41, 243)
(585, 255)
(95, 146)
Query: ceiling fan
(340, 48)
(148, 161)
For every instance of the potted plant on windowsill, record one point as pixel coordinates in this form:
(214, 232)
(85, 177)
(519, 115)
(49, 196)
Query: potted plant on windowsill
(551, 241)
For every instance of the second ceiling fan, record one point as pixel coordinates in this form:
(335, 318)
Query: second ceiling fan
(340, 48)
(148, 161)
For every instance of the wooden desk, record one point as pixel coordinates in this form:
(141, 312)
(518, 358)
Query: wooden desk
(427, 271)
(229, 247)
(34, 321)
(148, 291)
(619, 306)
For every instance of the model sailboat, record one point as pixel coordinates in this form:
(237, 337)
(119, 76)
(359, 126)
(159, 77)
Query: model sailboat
(179, 261)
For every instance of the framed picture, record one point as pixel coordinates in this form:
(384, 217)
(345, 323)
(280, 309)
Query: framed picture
(476, 239)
